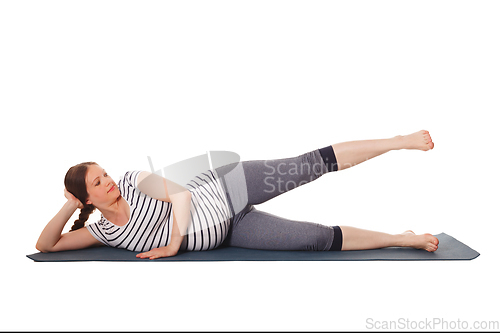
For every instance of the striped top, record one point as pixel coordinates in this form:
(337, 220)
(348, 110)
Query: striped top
(151, 220)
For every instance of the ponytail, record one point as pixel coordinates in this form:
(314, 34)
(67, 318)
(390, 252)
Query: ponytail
(83, 217)
(75, 184)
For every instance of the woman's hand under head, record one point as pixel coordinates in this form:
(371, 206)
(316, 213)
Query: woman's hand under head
(71, 198)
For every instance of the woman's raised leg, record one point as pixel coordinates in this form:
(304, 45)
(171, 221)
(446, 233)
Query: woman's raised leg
(351, 153)
(360, 239)
(266, 179)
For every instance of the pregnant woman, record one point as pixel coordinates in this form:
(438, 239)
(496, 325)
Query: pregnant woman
(156, 217)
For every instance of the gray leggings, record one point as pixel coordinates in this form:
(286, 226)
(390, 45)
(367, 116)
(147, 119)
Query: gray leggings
(250, 183)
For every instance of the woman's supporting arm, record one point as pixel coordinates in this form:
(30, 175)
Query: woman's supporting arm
(51, 234)
(51, 239)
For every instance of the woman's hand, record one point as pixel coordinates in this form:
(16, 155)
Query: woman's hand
(160, 252)
(73, 199)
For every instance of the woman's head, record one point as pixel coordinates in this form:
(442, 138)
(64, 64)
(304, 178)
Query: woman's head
(90, 184)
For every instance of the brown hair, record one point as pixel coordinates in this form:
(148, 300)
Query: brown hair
(76, 185)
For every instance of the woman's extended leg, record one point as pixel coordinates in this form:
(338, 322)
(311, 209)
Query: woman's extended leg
(255, 229)
(351, 153)
(360, 239)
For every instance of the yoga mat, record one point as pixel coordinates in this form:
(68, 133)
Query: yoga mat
(449, 249)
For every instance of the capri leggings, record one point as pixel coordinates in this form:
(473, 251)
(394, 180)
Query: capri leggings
(251, 183)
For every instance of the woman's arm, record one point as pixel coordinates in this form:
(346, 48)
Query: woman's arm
(163, 189)
(181, 219)
(158, 187)
(181, 206)
(51, 239)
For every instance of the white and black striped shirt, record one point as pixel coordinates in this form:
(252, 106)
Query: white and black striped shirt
(150, 223)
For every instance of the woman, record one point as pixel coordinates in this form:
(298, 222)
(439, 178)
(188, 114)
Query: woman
(152, 215)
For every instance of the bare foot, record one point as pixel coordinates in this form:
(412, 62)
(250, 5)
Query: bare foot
(419, 140)
(424, 242)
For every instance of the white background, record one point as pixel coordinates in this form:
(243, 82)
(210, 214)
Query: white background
(117, 81)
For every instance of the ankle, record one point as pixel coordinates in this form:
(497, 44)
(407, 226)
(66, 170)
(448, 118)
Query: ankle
(401, 240)
(398, 142)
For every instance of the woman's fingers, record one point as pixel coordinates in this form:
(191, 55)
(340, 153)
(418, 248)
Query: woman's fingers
(143, 255)
(155, 253)
(148, 254)
(71, 197)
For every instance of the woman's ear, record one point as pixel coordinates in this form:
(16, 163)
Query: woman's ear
(88, 202)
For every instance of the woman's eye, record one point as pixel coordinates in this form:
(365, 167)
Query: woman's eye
(97, 184)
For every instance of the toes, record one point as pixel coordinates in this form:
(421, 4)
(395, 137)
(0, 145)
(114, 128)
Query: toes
(434, 245)
(428, 140)
(431, 248)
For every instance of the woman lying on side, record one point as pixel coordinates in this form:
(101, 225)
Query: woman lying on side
(156, 217)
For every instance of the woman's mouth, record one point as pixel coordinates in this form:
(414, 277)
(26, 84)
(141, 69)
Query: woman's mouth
(112, 188)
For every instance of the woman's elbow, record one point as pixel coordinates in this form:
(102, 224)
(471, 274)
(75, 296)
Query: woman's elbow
(42, 248)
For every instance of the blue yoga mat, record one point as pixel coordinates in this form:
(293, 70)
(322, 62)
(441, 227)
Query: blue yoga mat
(449, 249)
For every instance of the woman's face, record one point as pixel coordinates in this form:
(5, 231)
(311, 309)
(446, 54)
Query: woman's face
(101, 188)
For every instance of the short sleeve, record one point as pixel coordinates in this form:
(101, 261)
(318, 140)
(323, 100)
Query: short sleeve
(130, 178)
(95, 230)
